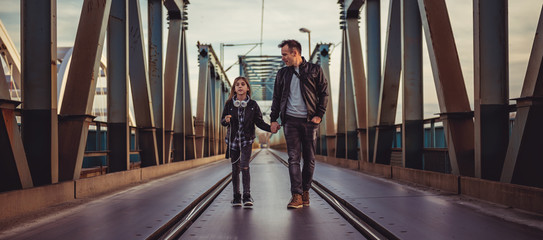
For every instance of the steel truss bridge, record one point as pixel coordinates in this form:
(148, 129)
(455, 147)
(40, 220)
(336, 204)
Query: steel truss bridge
(46, 128)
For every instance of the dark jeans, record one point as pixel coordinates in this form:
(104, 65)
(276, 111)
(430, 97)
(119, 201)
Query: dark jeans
(301, 137)
(241, 164)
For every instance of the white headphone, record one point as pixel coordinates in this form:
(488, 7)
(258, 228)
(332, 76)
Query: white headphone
(238, 103)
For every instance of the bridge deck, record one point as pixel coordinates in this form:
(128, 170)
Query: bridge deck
(406, 211)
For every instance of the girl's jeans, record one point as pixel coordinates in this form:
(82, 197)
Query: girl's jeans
(240, 163)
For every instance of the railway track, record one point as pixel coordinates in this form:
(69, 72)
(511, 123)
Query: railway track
(175, 228)
(364, 224)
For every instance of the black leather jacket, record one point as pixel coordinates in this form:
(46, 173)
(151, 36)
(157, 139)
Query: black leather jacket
(314, 88)
(253, 116)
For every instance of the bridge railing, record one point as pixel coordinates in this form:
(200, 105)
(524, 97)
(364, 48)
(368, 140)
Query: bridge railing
(96, 156)
(435, 152)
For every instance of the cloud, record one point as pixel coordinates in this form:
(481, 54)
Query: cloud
(9, 8)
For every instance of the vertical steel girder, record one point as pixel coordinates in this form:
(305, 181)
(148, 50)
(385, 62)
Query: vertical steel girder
(118, 131)
(412, 113)
(184, 142)
(347, 135)
(356, 67)
(155, 72)
(171, 92)
(171, 76)
(208, 117)
(341, 130)
(451, 91)
(391, 84)
(80, 87)
(188, 121)
(327, 126)
(208, 105)
(14, 171)
(171, 72)
(491, 58)
(141, 90)
(39, 69)
(222, 130)
(203, 76)
(373, 39)
(212, 114)
(523, 159)
(180, 111)
(217, 110)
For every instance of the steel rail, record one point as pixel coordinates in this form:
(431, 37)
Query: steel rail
(176, 231)
(174, 228)
(187, 215)
(363, 223)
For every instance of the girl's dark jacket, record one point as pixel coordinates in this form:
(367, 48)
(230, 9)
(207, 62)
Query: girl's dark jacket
(253, 116)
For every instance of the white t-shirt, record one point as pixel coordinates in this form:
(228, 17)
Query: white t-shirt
(295, 104)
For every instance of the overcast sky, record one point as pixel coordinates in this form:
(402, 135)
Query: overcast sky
(239, 22)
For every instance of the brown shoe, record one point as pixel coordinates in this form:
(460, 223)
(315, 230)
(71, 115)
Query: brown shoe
(295, 201)
(305, 198)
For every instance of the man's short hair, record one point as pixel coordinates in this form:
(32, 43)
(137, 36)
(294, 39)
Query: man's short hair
(292, 44)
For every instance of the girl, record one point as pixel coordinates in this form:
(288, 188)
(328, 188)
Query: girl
(241, 114)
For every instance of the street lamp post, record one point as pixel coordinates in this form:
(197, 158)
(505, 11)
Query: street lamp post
(305, 30)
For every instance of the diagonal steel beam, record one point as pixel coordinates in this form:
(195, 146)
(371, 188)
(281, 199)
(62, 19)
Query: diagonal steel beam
(141, 89)
(391, 84)
(523, 159)
(348, 135)
(80, 87)
(174, 5)
(155, 72)
(14, 171)
(353, 5)
(171, 71)
(203, 76)
(190, 142)
(356, 67)
(450, 87)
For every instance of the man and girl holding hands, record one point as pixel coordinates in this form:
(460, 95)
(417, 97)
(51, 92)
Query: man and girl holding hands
(300, 97)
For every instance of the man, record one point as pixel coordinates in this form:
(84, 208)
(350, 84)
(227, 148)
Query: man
(299, 97)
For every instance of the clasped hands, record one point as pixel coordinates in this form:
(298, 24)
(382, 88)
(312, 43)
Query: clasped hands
(275, 127)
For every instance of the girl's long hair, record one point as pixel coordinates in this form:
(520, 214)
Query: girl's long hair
(233, 89)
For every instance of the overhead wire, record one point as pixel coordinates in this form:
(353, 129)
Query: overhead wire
(261, 27)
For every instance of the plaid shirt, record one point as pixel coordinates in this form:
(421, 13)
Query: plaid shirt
(240, 140)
